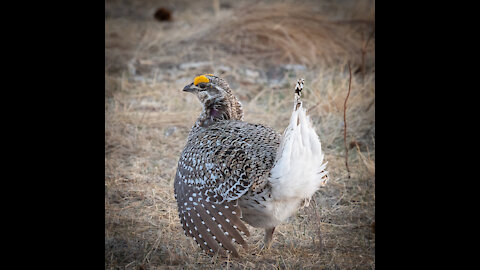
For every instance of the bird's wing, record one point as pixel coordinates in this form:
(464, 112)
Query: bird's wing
(211, 225)
(219, 164)
(227, 158)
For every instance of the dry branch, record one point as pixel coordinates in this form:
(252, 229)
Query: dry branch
(364, 52)
(320, 245)
(345, 119)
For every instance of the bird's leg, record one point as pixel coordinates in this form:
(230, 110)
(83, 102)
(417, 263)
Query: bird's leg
(268, 237)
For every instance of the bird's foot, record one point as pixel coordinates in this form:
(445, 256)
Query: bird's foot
(268, 238)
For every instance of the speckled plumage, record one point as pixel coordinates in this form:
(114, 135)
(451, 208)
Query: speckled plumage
(224, 174)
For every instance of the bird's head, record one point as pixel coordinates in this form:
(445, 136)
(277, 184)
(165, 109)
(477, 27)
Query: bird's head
(217, 98)
(207, 87)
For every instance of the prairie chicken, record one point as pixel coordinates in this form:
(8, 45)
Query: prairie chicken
(232, 171)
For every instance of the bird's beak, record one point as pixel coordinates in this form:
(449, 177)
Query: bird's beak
(189, 88)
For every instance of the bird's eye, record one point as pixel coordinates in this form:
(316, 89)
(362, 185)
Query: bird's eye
(202, 85)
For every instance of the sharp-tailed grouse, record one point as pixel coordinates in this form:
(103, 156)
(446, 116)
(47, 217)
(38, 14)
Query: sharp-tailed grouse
(233, 171)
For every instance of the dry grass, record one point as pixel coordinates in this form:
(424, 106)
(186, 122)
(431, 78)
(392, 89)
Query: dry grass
(147, 120)
(265, 34)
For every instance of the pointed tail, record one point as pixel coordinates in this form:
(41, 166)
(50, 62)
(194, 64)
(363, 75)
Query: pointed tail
(299, 170)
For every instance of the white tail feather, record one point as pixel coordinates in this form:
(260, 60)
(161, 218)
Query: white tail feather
(298, 170)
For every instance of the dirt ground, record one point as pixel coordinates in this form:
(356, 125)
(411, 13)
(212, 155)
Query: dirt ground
(261, 49)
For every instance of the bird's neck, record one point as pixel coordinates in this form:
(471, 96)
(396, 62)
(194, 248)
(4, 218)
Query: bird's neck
(220, 108)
